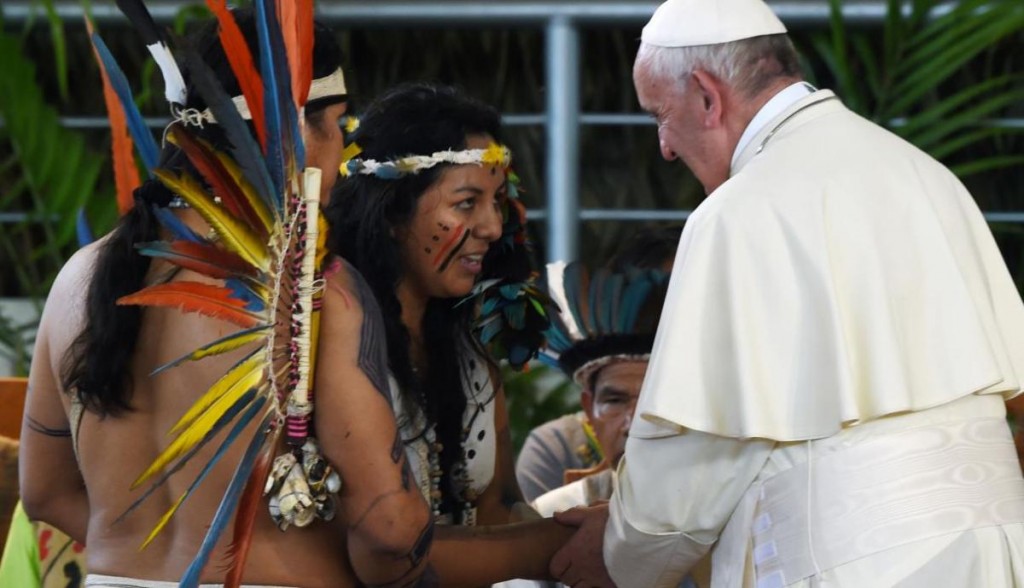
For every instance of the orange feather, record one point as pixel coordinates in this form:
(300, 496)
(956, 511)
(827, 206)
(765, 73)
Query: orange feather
(245, 517)
(206, 299)
(296, 20)
(126, 174)
(242, 65)
(216, 175)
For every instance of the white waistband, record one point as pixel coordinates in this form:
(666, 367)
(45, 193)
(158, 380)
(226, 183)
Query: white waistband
(99, 581)
(886, 492)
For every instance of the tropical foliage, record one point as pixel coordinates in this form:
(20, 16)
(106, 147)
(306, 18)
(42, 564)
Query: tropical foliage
(910, 78)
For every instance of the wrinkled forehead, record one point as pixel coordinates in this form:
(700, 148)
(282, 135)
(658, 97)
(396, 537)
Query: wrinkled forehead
(625, 376)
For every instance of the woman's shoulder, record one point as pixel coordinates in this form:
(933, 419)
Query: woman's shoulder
(342, 278)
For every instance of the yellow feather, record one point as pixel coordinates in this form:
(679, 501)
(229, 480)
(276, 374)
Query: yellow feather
(254, 199)
(163, 522)
(236, 387)
(235, 235)
(246, 375)
(229, 344)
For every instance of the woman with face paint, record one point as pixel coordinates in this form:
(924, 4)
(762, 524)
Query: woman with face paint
(427, 215)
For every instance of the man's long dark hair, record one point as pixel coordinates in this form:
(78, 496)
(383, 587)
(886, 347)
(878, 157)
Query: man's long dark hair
(364, 214)
(96, 367)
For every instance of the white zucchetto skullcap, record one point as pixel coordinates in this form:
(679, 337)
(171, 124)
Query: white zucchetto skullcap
(686, 23)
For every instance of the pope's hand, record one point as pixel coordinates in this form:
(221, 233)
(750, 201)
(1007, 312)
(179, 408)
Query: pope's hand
(581, 561)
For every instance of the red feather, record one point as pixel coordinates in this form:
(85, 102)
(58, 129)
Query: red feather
(296, 20)
(203, 158)
(206, 299)
(126, 174)
(245, 517)
(204, 258)
(242, 65)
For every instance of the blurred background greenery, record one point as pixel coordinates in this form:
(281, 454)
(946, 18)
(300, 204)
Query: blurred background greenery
(938, 81)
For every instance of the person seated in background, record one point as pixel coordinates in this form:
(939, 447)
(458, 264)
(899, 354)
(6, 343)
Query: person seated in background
(569, 447)
(602, 339)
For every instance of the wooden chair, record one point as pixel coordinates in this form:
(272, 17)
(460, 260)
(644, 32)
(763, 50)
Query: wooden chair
(12, 405)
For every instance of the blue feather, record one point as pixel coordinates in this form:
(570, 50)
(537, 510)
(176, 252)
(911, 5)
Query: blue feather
(519, 355)
(548, 360)
(230, 501)
(594, 299)
(511, 291)
(515, 314)
(240, 290)
(610, 303)
(632, 300)
(148, 149)
(245, 150)
(572, 279)
(83, 230)
(490, 328)
(173, 224)
(229, 415)
(266, 20)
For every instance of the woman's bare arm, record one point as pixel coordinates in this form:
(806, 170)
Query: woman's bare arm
(388, 523)
(52, 488)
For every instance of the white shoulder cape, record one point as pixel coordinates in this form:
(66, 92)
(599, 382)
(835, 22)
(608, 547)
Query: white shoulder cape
(840, 275)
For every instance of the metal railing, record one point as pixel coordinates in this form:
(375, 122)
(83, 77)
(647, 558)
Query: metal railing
(561, 22)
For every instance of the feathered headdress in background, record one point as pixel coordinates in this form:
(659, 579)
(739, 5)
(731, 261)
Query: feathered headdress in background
(604, 317)
(266, 248)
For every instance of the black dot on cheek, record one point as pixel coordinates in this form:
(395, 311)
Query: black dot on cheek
(476, 385)
(471, 454)
(435, 237)
(427, 249)
(472, 364)
(494, 171)
(480, 436)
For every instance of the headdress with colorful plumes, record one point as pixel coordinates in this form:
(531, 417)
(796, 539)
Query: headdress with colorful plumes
(604, 316)
(511, 315)
(263, 207)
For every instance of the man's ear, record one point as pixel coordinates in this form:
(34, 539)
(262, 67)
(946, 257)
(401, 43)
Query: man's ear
(711, 91)
(587, 400)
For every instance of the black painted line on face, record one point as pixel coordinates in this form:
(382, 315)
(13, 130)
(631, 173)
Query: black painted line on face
(455, 250)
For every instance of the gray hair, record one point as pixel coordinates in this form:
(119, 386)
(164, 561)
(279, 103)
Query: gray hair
(748, 65)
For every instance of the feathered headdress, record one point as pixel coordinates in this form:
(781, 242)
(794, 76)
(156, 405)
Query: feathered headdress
(603, 317)
(511, 314)
(266, 249)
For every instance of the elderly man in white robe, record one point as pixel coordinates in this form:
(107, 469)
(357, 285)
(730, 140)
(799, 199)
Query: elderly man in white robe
(825, 398)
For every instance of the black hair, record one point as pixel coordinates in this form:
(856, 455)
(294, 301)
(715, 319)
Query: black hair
(366, 212)
(647, 248)
(96, 367)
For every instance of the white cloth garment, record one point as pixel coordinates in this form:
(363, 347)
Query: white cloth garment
(480, 444)
(838, 276)
(841, 288)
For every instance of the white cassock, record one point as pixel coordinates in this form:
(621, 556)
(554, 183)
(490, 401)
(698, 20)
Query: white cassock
(824, 403)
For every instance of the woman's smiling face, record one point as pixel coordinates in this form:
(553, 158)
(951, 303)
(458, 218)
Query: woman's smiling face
(456, 220)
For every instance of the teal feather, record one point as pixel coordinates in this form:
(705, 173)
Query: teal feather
(515, 315)
(144, 141)
(490, 328)
(632, 300)
(229, 503)
(572, 282)
(610, 304)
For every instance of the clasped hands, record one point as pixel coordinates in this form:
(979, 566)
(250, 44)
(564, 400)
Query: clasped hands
(580, 562)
